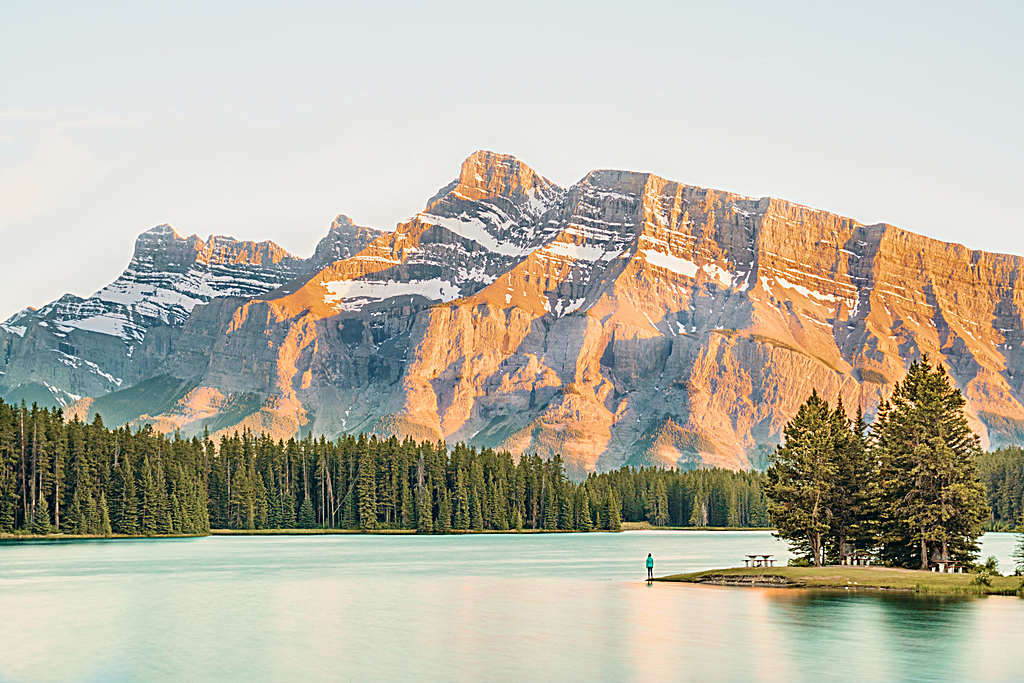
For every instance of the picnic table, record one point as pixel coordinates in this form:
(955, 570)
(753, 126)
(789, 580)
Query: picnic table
(760, 560)
(948, 567)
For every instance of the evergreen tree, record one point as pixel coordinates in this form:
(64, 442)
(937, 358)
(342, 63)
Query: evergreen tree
(460, 503)
(307, 520)
(801, 479)
(930, 503)
(41, 518)
(613, 511)
(657, 504)
(103, 520)
(407, 514)
(585, 522)
(851, 526)
(124, 512)
(424, 516)
(550, 509)
(367, 492)
(443, 523)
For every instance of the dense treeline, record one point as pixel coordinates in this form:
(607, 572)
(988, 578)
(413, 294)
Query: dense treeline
(85, 479)
(70, 477)
(696, 498)
(1002, 472)
(907, 491)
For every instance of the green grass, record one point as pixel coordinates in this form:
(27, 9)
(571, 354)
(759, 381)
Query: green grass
(857, 578)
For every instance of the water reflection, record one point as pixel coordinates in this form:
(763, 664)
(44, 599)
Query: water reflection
(561, 607)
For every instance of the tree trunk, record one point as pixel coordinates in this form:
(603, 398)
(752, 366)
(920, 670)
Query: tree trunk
(924, 551)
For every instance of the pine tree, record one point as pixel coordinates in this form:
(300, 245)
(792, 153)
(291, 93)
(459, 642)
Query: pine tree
(613, 511)
(550, 509)
(307, 519)
(103, 521)
(929, 500)
(565, 520)
(424, 516)
(801, 479)
(124, 511)
(657, 504)
(517, 520)
(460, 503)
(41, 518)
(443, 523)
(407, 514)
(848, 506)
(366, 488)
(585, 522)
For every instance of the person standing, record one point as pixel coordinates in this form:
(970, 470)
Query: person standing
(650, 566)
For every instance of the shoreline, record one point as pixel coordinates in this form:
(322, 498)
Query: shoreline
(41, 538)
(8, 537)
(844, 578)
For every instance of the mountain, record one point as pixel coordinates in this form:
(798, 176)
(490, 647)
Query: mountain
(76, 347)
(625, 319)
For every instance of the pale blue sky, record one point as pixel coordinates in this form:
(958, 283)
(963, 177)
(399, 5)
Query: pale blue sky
(265, 120)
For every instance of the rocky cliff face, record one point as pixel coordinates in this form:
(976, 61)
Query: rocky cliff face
(626, 319)
(76, 347)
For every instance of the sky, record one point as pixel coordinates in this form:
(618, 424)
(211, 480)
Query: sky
(266, 120)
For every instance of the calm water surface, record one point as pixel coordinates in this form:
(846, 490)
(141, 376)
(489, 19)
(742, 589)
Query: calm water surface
(505, 607)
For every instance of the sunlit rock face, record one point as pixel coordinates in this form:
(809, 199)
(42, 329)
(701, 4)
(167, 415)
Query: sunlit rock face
(625, 319)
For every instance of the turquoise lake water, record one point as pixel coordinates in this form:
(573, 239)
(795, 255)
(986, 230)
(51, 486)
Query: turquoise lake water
(475, 607)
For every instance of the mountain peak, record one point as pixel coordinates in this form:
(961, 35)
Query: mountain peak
(342, 221)
(344, 239)
(163, 230)
(487, 174)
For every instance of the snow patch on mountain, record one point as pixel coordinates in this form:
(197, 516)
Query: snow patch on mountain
(474, 229)
(352, 295)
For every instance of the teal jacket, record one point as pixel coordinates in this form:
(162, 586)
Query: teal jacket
(650, 562)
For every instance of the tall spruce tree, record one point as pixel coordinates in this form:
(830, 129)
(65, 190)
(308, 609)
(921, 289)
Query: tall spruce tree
(307, 519)
(849, 504)
(930, 503)
(425, 513)
(613, 511)
(802, 479)
(41, 517)
(366, 489)
(443, 523)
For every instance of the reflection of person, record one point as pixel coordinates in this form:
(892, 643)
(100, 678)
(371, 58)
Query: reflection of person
(650, 566)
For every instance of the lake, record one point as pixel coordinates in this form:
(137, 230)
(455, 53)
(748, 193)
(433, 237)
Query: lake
(497, 607)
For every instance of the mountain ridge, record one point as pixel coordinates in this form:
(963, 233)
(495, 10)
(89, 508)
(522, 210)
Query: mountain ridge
(627, 318)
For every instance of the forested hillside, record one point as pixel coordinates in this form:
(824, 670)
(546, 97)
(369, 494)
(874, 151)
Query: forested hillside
(77, 478)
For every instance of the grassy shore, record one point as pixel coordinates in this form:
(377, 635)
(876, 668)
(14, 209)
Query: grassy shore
(8, 537)
(452, 532)
(626, 526)
(854, 578)
(647, 526)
